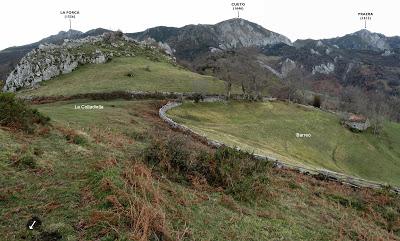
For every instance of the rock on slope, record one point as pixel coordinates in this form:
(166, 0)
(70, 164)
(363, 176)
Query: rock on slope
(50, 60)
(11, 56)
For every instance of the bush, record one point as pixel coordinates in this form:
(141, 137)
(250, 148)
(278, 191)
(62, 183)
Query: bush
(27, 161)
(76, 139)
(237, 172)
(317, 101)
(169, 153)
(130, 74)
(15, 113)
(111, 37)
(197, 97)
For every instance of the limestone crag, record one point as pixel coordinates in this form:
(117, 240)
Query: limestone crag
(235, 33)
(192, 41)
(43, 64)
(324, 68)
(50, 60)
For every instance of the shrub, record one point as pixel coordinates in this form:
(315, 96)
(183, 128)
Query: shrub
(78, 140)
(317, 101)
(197, 97)
(130, 74)
(239, 173)
(15, 113)
(37, 151)
(111, 37)
(357, 204)
(169, 153)
(27, 160)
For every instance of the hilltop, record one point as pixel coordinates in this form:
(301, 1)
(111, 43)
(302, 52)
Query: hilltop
(364, 59)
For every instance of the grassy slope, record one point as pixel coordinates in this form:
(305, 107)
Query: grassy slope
(112, 76)
(270, 128)
(67, 188)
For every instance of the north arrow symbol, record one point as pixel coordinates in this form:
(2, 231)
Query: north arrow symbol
(31, 226)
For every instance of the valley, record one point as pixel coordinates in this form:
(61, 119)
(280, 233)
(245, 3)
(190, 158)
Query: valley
(86, 154)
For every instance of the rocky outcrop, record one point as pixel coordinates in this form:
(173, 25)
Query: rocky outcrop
(238, 32)
(328, 68)
(50, 60)
(10, 57)
(287, 66)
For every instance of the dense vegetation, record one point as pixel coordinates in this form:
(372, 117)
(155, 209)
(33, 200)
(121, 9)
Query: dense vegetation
(16, 114)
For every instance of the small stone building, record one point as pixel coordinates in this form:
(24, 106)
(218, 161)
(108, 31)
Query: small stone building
(356, 122)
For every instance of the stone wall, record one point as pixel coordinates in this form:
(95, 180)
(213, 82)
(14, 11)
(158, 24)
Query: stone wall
(321, 174)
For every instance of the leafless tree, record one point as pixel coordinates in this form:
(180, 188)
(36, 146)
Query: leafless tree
(377, 110)
(372, 104)
(295, 83)
(224, 71)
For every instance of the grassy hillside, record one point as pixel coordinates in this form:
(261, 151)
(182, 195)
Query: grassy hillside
(270, 128)
(121, 174)
(146, 75)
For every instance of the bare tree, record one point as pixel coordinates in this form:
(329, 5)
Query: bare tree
(377, 110)
(224, 71)
(239, 67)
(353, 99)
(295, 84)
(370, 104)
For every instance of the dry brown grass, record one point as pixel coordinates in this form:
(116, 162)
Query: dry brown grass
(134, 209)
(110, 138)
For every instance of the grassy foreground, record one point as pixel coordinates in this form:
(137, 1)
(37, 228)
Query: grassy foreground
(145, 75)
(121, 174)
(270, 128)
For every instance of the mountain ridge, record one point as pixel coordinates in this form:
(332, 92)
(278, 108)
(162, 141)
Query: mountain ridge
(362, 58)
(192, 40)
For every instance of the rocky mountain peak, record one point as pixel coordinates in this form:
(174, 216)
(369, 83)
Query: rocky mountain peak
(239, 32)
(375, 40)
(362, 40)
(59, 38)
(191, 41)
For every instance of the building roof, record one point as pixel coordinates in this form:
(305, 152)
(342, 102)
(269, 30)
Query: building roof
(357, 118)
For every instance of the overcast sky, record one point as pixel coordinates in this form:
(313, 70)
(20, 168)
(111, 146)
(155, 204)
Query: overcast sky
(27, 21)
